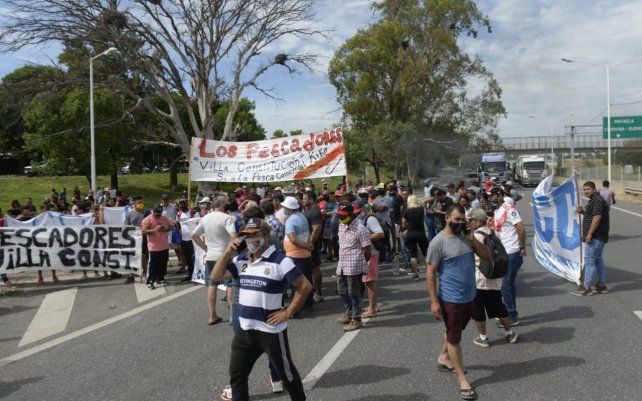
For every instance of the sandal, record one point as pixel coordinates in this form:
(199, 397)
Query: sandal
(467, 393)
(368, 315)
(213, 322)
(445, 369)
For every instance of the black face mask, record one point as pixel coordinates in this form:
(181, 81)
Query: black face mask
(457, 228)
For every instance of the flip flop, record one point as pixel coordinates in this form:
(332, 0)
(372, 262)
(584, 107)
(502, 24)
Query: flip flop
(368, 316)
(213, 322)
(467, 393)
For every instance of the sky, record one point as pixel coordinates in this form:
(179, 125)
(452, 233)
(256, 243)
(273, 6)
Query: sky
(524, 52)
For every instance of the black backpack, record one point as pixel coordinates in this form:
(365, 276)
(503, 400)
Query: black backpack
(497, 266)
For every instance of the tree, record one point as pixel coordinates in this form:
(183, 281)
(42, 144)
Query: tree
(248, 128)
(296, 132)
(403, 82)
(279, 133)
(184, 50)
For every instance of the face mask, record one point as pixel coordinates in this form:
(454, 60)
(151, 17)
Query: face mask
(140, 207)
(347, 220)
(254, 244)
(457, 227)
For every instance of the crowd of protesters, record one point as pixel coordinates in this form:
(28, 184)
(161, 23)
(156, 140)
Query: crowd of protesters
(266, 246)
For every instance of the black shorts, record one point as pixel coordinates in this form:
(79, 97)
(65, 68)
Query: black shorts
(416, 244)
(489, 302)
(316, 254)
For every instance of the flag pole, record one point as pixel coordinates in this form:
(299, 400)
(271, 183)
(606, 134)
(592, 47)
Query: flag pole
(579, 218)
(189, 175)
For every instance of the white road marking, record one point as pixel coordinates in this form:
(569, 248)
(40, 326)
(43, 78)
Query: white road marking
(52, 316)
(324, 364)
(93, 327)
(638, 313)
(145, 294)
(620, 209)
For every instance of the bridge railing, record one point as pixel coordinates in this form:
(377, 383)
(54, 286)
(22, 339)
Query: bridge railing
(586, 141)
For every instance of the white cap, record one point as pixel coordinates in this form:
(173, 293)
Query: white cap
(278, 189)
(206, 200)
(509, 200)
(291, 203)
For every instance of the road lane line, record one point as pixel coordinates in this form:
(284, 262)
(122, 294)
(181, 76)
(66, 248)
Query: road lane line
(638, 313)
(620, 209)
(93, 327)
(52, 316)
(324, 364)
(145, 294)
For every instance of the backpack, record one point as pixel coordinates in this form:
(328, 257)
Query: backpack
(497, 266)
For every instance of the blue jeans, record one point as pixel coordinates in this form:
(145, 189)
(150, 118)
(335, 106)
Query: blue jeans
(594, 262)
(430, 225)
(515, 261)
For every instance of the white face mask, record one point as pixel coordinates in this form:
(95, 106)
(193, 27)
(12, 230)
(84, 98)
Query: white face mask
(254, 244)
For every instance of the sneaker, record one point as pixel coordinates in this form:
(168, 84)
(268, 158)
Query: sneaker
(481, 342)
(7, 282)
(511, 338)
(345, 319)
(353, 325)
(318, 298)
(54, 279)
(129, 280)
(583, 292)
(415, 276)
(41, 281)
(226, 394)
(151, 286)
(334, 275)
(277, 387)
(601, 289)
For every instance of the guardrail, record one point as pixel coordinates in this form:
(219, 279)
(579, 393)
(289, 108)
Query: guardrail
(632, 191)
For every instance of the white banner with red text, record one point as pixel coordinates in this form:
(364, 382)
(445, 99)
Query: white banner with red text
(93, 247)
(273, 160)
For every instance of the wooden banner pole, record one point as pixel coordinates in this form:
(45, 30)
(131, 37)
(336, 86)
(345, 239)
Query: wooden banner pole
(189, 175)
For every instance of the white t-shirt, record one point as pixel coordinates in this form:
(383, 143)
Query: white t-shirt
(506, 216)
(217, 227)
(372, 223)
(484, 283)
(182, 218)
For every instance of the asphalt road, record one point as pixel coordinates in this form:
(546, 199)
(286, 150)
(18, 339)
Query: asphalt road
(569, 347)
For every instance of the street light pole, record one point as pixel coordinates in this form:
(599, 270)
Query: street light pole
(608, 99)
(92, 157)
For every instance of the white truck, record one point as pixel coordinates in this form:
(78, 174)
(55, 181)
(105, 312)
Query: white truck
(530, 169)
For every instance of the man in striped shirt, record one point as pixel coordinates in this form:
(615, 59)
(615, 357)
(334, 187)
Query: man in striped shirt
(262, 273)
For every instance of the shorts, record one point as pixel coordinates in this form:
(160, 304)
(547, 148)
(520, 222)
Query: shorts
(316, 254)
(209, 266)
(373, 269)
(456, 317)
(416, 244)
(489, 302)
(327, 231)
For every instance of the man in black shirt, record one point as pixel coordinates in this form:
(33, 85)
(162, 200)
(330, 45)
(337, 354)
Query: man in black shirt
(595, 233)
(443, 202)
(312, 213)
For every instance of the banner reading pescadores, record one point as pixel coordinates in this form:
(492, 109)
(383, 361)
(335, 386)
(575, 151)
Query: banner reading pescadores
(283, 159)
(557, 241)
(93, 247)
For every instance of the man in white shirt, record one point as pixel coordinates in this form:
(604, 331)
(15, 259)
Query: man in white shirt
(511, 230)
(218, 229)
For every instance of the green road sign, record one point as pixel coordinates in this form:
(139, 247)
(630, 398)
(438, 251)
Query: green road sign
(626, 127)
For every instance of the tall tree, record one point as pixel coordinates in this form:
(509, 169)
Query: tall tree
(185, 50)
(403, 81)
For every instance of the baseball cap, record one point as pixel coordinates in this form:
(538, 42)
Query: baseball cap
(427, 181)
(158, 209)
(345, 210)
(165, 196)
(357, 206)
(278, 189)
(496, 191)
(252, 226)
(239, 189)
(362, 191)
(279, 197)
(291, 203)
(381, 186)
(479, 214)
(206, 200)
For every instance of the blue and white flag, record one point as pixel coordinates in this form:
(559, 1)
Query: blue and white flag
(557, 241)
